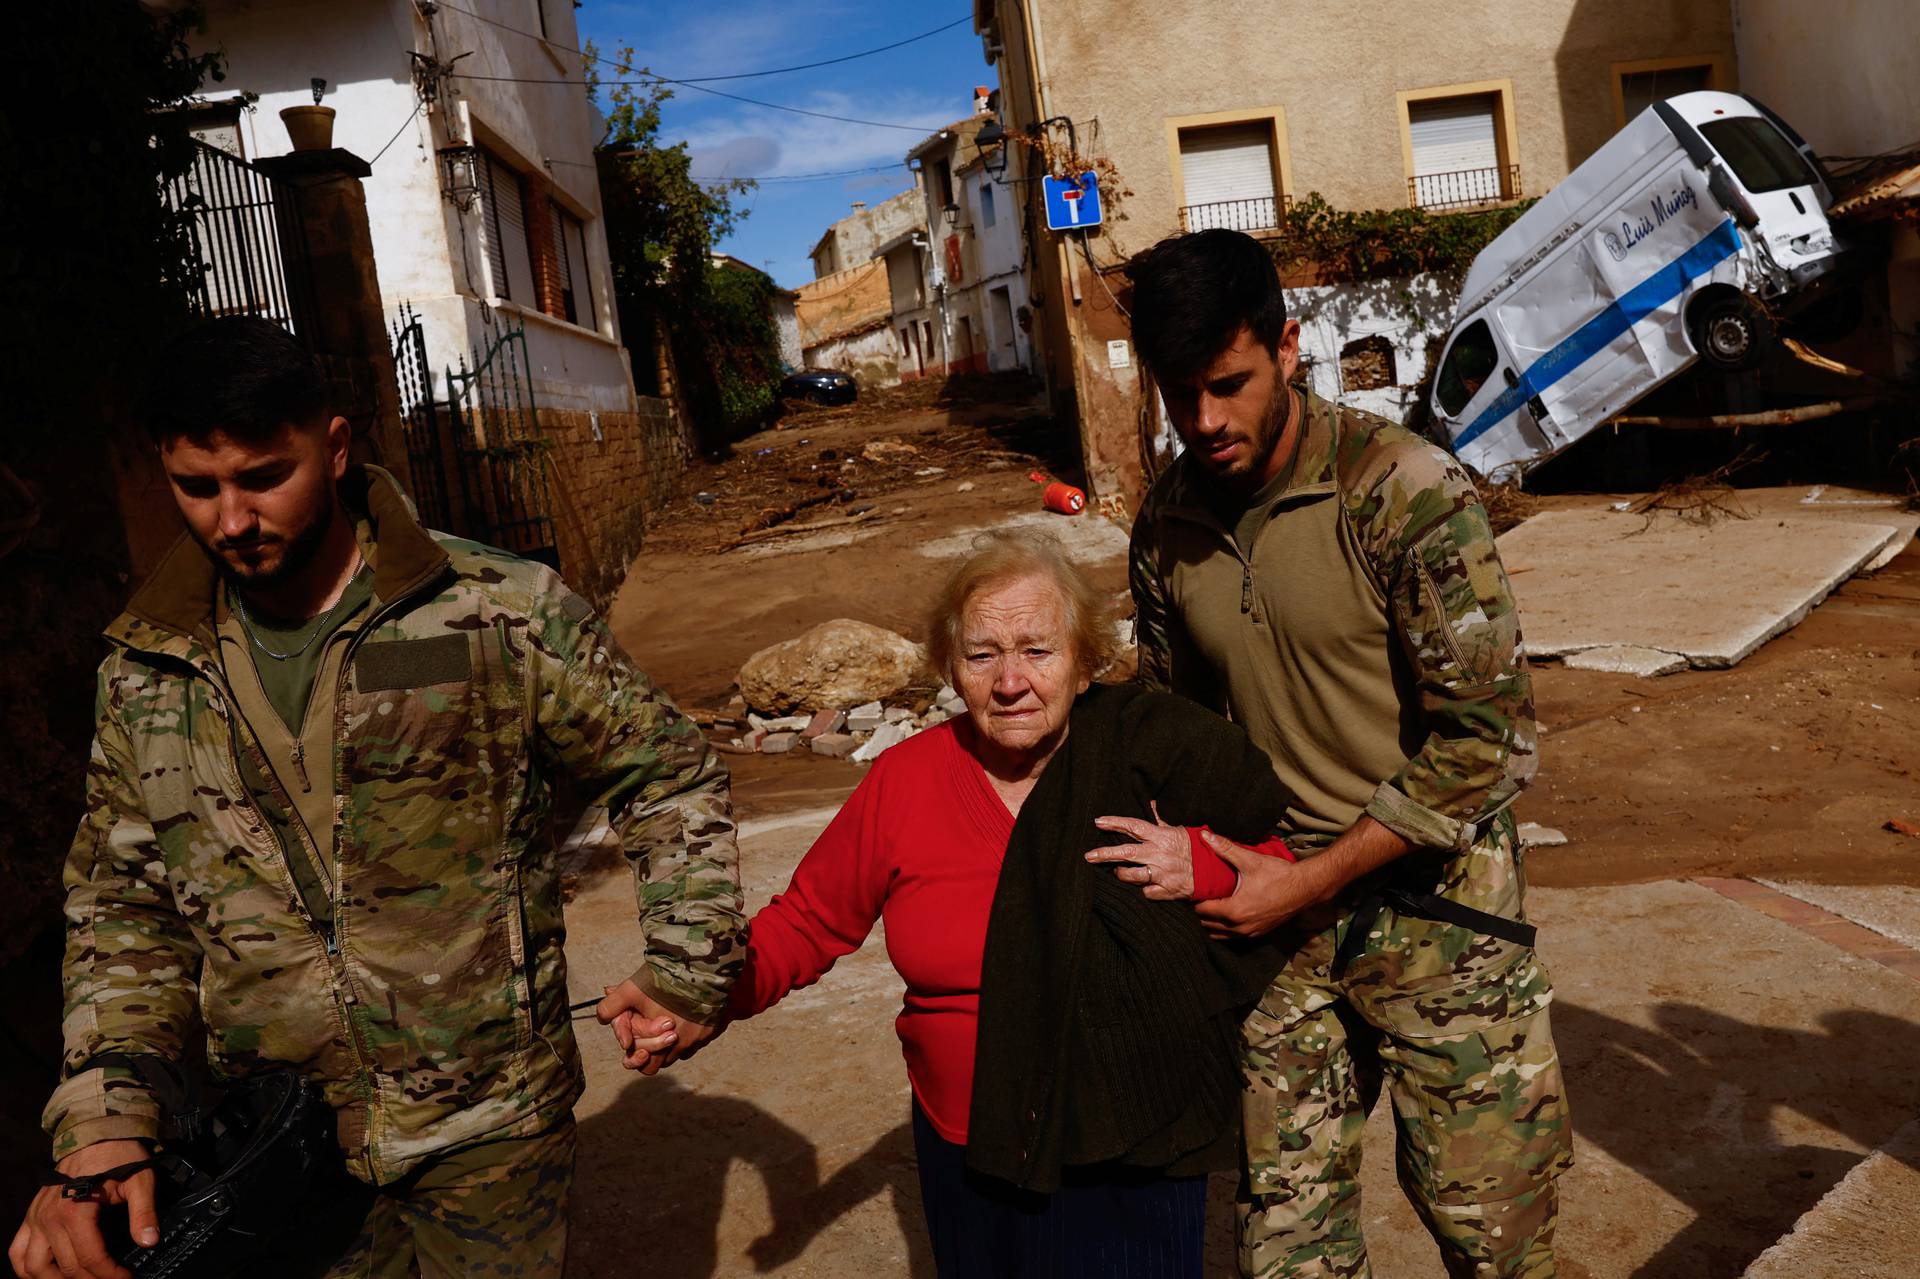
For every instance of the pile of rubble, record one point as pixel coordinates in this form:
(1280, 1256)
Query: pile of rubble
(859, 734)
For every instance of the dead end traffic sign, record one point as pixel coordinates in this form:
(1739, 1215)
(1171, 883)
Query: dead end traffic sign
(1073, 204)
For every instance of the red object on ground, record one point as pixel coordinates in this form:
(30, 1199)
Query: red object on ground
(1064, 498)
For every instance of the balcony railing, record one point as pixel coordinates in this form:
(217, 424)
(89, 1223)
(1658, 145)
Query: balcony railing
(1258, 214)
(1464, 188)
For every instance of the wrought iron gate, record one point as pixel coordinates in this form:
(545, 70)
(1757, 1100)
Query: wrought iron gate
(478, 458)
(504, 456)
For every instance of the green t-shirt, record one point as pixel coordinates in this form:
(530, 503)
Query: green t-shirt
(288, 681)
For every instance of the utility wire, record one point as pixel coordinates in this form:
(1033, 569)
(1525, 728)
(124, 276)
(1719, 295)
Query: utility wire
(752, 102)
(396, 134)
(738, 75)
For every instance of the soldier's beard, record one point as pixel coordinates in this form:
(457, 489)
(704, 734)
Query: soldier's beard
(251, 563)
(1260, 448)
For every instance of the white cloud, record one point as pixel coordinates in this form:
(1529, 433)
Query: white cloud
(804, 144)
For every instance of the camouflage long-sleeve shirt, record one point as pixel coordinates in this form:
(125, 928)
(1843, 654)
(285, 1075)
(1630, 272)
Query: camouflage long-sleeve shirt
(1367, 639)
(433, 1005)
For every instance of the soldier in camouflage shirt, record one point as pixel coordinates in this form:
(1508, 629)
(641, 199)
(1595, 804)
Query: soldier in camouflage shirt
(1329, 581)
(364, 890)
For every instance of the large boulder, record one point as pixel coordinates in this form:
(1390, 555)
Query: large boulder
(835, 665)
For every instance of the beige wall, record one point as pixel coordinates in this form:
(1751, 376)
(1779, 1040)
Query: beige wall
(1122, 70)
(1844, 73)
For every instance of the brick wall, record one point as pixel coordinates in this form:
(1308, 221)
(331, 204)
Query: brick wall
(603, 491)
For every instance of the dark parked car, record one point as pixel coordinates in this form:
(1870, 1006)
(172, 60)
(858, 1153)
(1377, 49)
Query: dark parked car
(821, 386)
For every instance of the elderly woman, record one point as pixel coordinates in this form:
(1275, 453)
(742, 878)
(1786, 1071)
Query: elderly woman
(1071, 1045)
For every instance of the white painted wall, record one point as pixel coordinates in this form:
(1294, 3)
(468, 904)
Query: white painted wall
(1844, 73)
(427, 251)
(786, 323)
(1410, 313)
(1000, 256)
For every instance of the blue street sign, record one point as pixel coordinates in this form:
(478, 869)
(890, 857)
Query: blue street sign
(1072, 203)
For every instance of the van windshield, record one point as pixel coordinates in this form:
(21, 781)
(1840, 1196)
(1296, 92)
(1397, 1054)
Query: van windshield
(1761, 157)
(1468, 366)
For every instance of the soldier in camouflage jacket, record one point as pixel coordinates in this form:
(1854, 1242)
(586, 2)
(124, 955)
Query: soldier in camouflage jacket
(1329, 580)
(414, 968)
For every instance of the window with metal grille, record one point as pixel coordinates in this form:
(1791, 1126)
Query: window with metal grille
(504, 231)
(1227, 171)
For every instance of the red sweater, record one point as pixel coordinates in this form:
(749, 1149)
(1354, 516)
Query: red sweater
(918, 845)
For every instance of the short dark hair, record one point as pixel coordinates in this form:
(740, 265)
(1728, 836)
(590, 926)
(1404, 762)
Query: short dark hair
(1192, 293)
(241, 375)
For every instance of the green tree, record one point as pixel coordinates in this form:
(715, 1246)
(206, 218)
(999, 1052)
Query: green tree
(662, 227)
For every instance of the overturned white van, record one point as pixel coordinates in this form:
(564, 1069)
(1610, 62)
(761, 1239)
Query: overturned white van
(1679, 240)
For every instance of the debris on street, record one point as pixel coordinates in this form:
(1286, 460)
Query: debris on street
(834, 665)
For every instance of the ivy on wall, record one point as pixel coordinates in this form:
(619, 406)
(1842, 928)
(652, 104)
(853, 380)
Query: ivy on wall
(1340, 246)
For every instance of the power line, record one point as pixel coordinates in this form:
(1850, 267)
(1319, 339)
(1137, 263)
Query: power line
(738, 75)
(700, 88)
(396, 134)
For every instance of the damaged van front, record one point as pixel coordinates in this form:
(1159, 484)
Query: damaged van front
(1686, 237)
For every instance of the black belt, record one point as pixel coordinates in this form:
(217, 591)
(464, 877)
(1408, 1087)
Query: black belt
(1423, 905)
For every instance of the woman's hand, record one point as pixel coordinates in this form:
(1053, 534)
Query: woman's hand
(1160, 859)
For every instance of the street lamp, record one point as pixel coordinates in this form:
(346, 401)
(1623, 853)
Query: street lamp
(992, 135)
(953, 213)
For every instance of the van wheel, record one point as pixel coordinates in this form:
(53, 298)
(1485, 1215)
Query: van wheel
(1731, 332)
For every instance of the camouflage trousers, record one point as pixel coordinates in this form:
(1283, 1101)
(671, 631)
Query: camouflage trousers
(1455, 1025)
(497, 1209)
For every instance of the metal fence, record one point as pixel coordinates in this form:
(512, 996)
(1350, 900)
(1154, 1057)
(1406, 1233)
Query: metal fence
(248, 238)
(423, 425)
(1464, 188)
(503, 455)
(1261, 213)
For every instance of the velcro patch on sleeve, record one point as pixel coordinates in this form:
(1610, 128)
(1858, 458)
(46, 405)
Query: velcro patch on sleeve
(576, 608)
(444, 659)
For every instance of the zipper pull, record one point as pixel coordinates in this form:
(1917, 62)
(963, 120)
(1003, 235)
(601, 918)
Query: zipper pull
(333, 942)
(1246, 586)
(300, 764)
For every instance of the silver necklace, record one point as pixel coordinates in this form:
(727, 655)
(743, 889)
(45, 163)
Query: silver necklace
(247, 623)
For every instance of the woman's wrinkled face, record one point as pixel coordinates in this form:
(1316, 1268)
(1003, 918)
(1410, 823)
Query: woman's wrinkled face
(1017, 671)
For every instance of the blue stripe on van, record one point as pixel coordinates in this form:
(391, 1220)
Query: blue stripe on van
(1644, 298)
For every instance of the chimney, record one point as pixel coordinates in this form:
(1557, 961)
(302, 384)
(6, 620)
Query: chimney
(859, 206)
(982, 96)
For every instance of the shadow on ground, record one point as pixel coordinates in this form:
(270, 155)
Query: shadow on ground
(683, 1148)
(1693, 1104)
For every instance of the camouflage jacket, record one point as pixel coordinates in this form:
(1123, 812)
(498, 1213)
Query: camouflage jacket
(1367, 639)
(434, 1010)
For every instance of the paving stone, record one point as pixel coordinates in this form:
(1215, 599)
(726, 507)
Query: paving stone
(835, 745)
(779, 743)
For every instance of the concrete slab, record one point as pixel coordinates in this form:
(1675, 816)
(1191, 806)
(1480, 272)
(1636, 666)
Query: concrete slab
(1625, 659)
(1865, 1228)
(1892, 910)
(1591, 579)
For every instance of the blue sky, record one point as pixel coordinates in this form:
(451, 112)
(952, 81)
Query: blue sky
(924, 85)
